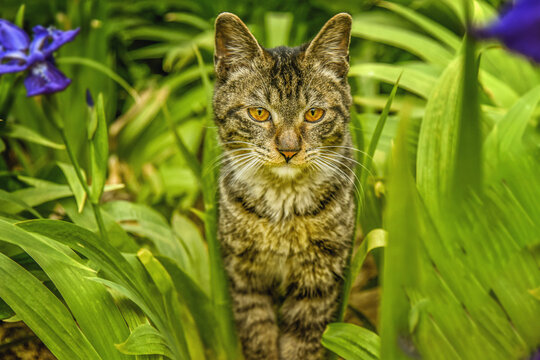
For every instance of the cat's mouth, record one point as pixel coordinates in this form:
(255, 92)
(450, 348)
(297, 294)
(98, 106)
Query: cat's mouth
(286, 170)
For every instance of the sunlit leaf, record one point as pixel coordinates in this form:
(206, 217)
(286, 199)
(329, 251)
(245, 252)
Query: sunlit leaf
(351, 342)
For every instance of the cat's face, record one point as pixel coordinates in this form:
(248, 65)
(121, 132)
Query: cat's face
(283, 110)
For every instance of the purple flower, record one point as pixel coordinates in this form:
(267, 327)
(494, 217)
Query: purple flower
(518, 28)
(17, 53)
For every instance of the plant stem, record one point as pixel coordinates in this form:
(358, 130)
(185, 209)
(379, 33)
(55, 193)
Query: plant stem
(190, 159)
(95, 206)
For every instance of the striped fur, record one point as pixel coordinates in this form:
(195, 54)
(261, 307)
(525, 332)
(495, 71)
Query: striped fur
(284, 228)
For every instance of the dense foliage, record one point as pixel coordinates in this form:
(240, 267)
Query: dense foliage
(107, 197)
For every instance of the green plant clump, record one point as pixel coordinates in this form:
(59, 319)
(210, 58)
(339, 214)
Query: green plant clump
(108, 246)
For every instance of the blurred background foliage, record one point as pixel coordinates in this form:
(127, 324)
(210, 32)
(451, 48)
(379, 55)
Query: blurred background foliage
(150, 60)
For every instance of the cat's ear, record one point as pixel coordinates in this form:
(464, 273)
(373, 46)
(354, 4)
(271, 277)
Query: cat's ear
(330, 48)
(235, 45)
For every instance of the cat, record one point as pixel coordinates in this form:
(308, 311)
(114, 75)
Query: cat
(286, 199)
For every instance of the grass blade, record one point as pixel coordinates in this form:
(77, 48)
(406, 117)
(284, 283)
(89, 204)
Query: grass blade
(74, 184)
(145, 340)
(351, 342)
(413, 80)
(468, 163)
(218, 280)
(99, 152)
(43, 313)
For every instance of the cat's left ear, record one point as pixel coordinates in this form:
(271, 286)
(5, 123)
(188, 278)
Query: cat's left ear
(235, 45)
(330, 48)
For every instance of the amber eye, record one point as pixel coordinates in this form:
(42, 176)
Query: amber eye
(314, 114)
(258, 113)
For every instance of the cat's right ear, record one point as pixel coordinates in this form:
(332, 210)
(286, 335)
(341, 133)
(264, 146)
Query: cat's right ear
(235, 45)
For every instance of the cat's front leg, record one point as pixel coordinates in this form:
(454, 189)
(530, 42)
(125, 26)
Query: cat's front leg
(311, 304)
(254, 312)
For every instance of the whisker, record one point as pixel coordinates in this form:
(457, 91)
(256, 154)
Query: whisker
(330, 163)
(223, 158)
(246, 143)
(229, 152)
(345, 147)
(330, 152)
(247, 167)
(235, 163)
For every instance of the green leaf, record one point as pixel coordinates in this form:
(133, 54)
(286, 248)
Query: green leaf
(99, 153)
(413, 80)
(19, 17)
(535, 293)
(199, 306)
(438, 136)
(506, 137)
(102, 323)
(118, 237)
(19, 131)
(431, 27)
(375, 239)
(128, 277)
(74, 184)
(8, 200)
(468, 163)
(378, 132)
(43, 313)
(180, 321)
(87, 243)
(42, 191)
(218, 280)
(277, 27)
(5, 311)
(497, 90)
(419, 45)
(189, 158)
(190, 19)
(401, 261)
(351, 342)
(145, 221)
(101, 68)
(414, 314)
(511, 69)
(145, 340)
(195, 246)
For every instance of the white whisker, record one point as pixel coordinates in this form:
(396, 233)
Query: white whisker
(345, 147)
(331, 164)
(223, 159)
(330, 152)
(236, 162)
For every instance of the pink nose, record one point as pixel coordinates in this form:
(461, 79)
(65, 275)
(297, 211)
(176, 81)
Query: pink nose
(288, 154)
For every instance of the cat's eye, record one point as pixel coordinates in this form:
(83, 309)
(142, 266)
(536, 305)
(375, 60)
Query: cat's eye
(314, 114)
(258, 114)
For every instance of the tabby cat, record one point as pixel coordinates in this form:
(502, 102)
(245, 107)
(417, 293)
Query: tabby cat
(286, 199)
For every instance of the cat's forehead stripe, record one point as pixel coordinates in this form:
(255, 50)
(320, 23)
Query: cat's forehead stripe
(286, 75)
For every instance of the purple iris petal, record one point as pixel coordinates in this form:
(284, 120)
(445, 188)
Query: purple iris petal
(18, 54)
(48, 40)
(12, 37)
(89, 98)
(12, 61)
(35, 57)
(45, 78)
(11, 68)
(518, 28)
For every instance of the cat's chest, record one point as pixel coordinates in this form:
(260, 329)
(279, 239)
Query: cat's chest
(284, 204)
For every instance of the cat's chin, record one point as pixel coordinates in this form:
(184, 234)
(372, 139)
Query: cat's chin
(286, 171)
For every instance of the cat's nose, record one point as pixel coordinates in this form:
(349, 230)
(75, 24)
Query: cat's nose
(288, 154)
